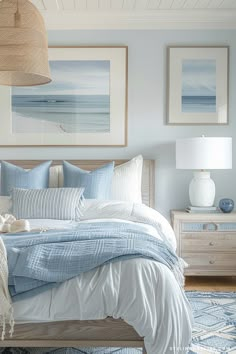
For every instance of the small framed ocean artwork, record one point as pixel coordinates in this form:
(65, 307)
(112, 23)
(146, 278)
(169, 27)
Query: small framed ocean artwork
(197, 85)
(84, 105)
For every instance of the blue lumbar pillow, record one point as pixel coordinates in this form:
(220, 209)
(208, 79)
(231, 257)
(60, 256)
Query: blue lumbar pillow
(17, 177)
(96, 184)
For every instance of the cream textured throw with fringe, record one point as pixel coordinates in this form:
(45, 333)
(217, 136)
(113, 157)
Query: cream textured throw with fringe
(6, 308)
(8, 223)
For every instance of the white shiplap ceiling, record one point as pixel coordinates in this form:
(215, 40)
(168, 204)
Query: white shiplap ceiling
(138, 14)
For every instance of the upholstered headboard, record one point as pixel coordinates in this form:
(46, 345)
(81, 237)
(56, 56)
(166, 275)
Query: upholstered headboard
(148, 191)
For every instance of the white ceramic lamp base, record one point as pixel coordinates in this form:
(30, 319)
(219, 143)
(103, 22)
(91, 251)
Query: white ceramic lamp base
(202, 190)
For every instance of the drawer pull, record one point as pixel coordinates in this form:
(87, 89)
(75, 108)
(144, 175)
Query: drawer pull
(211, 243)
(208, 227)
(211, 262)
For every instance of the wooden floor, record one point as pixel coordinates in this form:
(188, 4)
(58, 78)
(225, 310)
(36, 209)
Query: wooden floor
(210, 283)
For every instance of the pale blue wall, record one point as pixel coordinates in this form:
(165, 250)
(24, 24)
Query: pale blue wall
(148, 133)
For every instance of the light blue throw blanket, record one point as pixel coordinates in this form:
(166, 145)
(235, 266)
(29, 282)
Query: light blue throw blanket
(38, 261)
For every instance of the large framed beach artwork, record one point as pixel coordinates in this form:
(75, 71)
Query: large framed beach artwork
(84, 105)
(197, 85)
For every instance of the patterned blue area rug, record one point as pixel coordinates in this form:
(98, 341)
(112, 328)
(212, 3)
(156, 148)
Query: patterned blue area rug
(214, 329)
(215, 322)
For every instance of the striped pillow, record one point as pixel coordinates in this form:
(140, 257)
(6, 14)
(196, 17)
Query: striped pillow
(50, 203)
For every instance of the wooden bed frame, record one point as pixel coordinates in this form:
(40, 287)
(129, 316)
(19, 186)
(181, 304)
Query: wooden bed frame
(95, 333)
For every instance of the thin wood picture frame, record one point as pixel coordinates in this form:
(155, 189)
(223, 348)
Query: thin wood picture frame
(197, 85)
(85, 105)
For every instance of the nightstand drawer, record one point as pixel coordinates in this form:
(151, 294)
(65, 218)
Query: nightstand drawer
(208, 242)
(210, 226)
(209, 261)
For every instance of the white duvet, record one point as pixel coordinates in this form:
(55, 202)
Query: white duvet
(144, 293)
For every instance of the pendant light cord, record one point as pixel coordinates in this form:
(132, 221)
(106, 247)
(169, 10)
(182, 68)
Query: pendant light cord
(17, 15)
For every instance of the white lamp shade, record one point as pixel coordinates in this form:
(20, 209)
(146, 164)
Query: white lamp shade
(204, 153)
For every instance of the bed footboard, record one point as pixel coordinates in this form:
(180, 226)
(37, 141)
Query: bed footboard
(94, 333)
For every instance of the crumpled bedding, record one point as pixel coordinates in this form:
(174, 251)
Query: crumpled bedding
(36, 259)
(99, 209)
(143, 292)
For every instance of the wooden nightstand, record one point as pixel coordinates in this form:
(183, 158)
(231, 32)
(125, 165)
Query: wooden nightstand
(207, 242)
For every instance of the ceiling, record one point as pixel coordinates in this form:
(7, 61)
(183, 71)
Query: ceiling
(138, 14)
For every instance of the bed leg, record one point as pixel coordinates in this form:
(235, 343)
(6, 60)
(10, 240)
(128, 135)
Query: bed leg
(144, 350)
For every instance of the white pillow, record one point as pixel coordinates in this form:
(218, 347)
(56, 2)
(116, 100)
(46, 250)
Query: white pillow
(5, 204)
(102, 209)
(127, 181)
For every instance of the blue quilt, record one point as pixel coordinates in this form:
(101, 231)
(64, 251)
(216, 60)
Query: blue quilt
(38, 261)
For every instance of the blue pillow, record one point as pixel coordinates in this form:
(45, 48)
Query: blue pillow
(96, 184)
(17, 177)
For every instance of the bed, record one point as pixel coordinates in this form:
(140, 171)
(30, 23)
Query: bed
(108, 332)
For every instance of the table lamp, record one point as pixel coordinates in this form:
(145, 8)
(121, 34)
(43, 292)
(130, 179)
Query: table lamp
(203, 154)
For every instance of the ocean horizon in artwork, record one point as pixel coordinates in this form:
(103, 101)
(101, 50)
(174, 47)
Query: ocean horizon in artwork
(61, 113)
(77, 100)
(198, 86)
(199, 104)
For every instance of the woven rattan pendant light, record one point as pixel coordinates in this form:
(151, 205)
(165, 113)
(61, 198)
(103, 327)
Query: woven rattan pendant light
(23, 45)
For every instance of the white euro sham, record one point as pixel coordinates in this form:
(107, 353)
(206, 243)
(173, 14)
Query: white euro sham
(127, 181)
